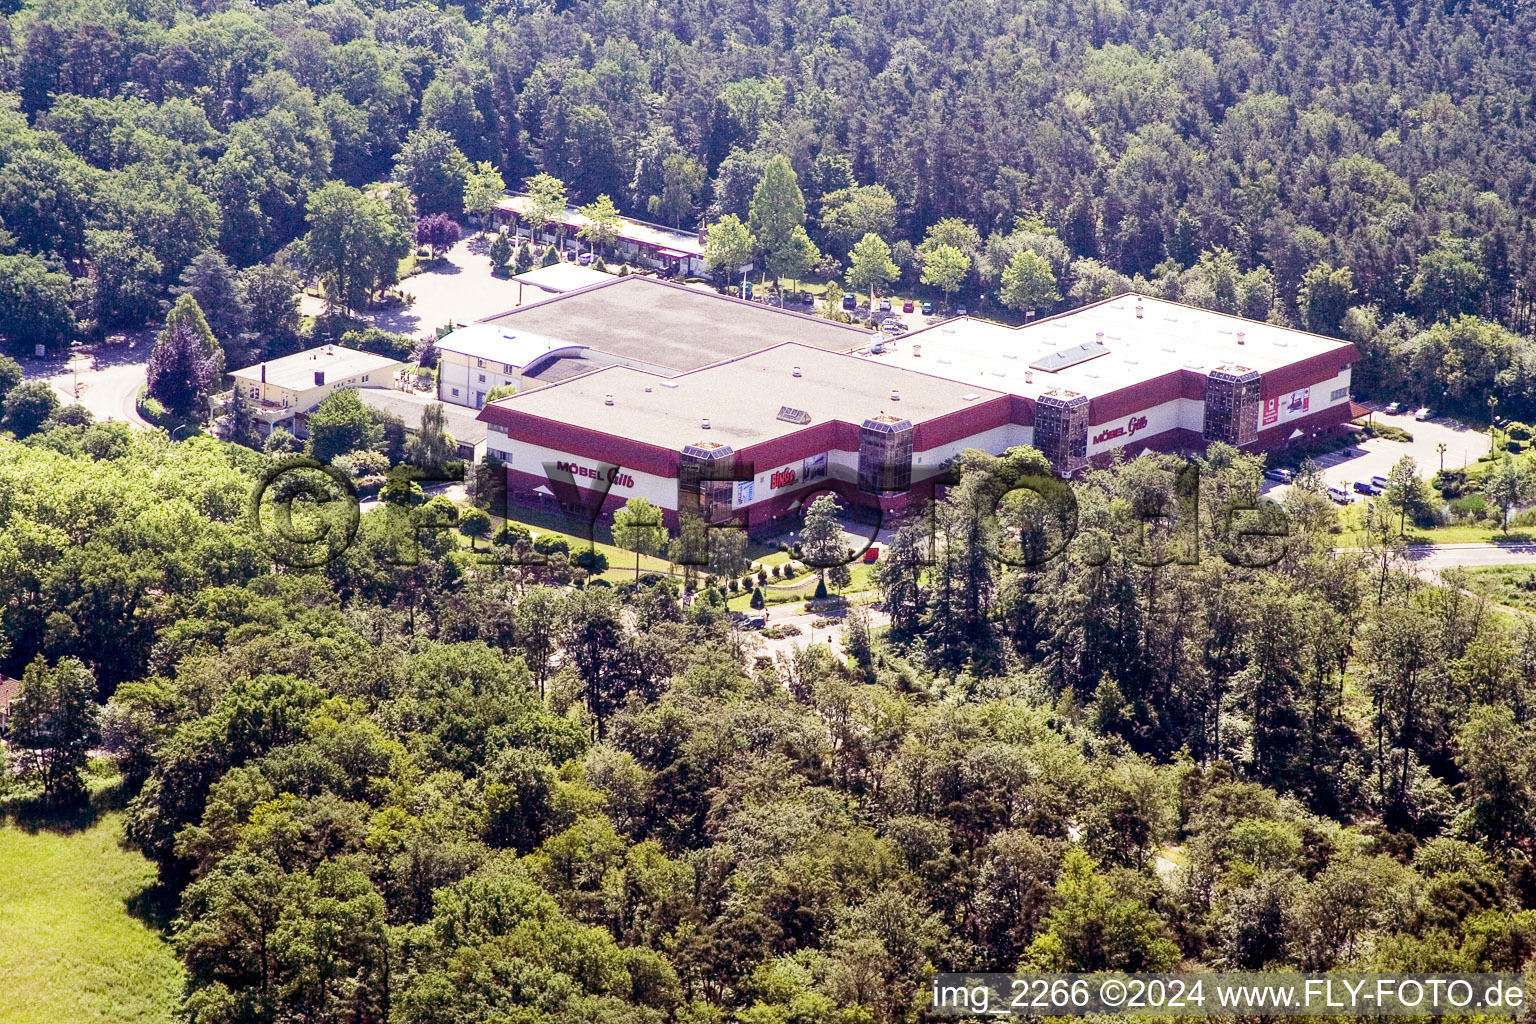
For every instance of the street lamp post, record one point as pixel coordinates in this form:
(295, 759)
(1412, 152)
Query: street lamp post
(1441, 449)
(1493, 408)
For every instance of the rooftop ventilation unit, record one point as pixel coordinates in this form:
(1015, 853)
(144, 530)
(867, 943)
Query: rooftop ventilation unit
(1138, 311)
(895, 395)
(790, 414)
(969, 398)
(794, 371)
(704, 424)
(917, 350)
(1242, 337)
(607, 399)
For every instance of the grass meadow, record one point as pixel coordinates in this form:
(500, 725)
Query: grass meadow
(71, 946)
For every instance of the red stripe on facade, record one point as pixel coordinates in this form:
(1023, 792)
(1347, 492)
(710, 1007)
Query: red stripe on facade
(980, 416)
(1117, 405)
(1309, 371)
(583, 442)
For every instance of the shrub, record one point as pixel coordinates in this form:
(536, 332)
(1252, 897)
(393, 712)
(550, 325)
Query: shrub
(550, 544)
(821, 590)
(1518, 431)
(783, 632)
(513, 534)
(380, 343)
(757, 598)
(1472, 505)
(474, 522)
(592, 560)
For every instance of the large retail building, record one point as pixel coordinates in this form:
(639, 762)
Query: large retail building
(753, 434)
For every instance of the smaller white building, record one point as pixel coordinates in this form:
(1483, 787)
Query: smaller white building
(669, 250)
(556, 279)
(475, 359)
(285, 391)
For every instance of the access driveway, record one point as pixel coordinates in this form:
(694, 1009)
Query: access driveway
(1377, 455)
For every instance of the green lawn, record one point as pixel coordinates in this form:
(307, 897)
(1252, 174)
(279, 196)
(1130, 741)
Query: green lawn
(621, 563)
(803, 588)
(1511, 585)
(70, 950)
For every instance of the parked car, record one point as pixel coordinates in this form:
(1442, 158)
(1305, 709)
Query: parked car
(1341, 496)
(1366, 487)
(1424, 414)
(1279, 475)
(927, 309)
(871, 554)
(1380, 481)
(885, 305)
(907, 307)
(585, 259)
(962, 311)
(850, 301)
(1393, 408)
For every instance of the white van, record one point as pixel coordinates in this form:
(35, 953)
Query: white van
(1341, 496)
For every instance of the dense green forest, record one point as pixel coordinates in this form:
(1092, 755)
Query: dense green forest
(427, 789)
(1360, 169)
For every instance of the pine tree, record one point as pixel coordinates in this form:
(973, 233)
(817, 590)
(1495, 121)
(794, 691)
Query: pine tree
(186, 362)
(523, 261)
(238, 424)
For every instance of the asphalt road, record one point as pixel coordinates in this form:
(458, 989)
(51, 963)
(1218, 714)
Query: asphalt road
(110, 393)
(1435, 557)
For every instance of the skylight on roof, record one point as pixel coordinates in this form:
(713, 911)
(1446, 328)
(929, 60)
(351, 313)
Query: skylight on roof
(1063, 358)
(789, 414)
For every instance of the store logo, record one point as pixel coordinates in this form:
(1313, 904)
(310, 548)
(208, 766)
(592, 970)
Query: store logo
(783, 478)
(1132, 425)
(611, 474)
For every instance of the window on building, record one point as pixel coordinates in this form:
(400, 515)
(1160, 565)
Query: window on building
(482, 378)
(479, 362)
(1338, 394)
(365, 378)
(455, 392)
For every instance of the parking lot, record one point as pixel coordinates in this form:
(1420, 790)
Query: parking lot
(1376, 456)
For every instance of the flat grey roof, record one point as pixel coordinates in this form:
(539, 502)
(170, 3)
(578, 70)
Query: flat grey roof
(564, 367)
(297, 372)
(742, 397)
(462, 423)
(672, 328)
(1144, 338)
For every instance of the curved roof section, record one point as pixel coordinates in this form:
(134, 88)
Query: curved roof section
(504, 345)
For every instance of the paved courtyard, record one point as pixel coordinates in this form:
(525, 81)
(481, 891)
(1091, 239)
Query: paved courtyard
(461, 289)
